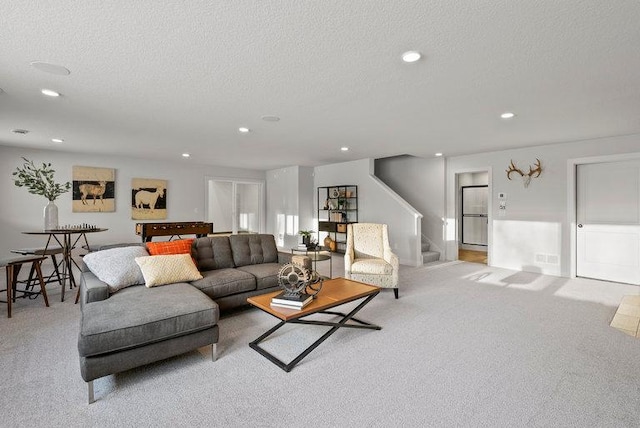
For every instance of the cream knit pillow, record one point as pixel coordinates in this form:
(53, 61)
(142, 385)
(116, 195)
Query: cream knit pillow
(161, 270)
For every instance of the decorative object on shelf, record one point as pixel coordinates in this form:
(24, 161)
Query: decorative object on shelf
(330, 243)
(335, 193)
(93, 189)
(148, 199)
(526, 178)
(306, 237)
(39, 181)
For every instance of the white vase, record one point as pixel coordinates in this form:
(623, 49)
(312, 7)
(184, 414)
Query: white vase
(50, 216)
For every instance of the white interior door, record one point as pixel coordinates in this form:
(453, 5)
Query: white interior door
(608, 227)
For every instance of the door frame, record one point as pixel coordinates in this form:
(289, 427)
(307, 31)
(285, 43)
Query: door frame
(572, 195)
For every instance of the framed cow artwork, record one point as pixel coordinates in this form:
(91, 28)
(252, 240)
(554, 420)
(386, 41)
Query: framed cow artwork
(148, 199)
(93, 189)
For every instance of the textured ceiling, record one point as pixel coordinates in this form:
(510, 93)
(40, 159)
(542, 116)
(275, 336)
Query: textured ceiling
(156, 79)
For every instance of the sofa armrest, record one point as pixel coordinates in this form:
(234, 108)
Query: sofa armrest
(92, 289)
(284, 257)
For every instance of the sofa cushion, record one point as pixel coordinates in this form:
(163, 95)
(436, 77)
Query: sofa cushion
(252, 249)
(138, 315)
(162, 270)
(180, 246)
(266, 274)
(213, 252)
(224, 282)
(116, 266)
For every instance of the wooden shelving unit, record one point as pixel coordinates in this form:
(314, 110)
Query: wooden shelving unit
(337, 207)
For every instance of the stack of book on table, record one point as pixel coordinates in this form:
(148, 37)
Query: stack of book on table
(284, 300)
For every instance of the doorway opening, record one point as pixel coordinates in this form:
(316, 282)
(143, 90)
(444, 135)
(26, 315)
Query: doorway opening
(235, 206)
(473, 216)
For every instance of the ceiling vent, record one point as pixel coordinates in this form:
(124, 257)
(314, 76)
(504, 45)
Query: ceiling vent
(20, 131)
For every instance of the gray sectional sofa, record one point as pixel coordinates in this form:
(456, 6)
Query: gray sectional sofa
(138, 325)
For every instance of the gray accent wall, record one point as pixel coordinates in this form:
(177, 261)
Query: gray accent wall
(420, 182)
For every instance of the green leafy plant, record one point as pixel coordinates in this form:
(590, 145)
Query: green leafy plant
(306, 233)
(39, 181)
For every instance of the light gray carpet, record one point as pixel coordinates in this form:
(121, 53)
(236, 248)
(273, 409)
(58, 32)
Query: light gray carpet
(465, 345)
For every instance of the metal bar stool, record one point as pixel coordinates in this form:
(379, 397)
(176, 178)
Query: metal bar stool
(55, 276)
(12, 266)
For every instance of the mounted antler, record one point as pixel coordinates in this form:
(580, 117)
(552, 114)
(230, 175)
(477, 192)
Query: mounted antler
(537, 170)
(512, 168)
(526, 178)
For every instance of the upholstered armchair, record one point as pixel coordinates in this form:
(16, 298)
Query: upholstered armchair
(368, 257)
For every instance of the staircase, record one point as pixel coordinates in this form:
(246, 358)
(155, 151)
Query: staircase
(428, 256)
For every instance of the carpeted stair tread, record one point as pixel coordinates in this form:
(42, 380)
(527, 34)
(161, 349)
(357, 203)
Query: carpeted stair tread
(430, 256)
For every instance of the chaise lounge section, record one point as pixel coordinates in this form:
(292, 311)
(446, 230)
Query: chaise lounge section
(138, 325)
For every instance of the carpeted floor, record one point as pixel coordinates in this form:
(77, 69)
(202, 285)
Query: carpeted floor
(465, 345)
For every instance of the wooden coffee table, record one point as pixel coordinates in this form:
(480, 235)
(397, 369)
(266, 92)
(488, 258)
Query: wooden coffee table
(335, 292)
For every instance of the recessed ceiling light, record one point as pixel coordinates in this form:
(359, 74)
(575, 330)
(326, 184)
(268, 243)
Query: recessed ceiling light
(411, 56)
(50, 68)
(438, 155)
(50, 93)
(270, 118)
(243, 130)
(57, 140)
(344, 149)
(507, 115)
(185, 155)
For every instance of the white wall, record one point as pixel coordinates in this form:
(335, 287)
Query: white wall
(536, 221)
(377, 203)
(22, 211)
(420, 182)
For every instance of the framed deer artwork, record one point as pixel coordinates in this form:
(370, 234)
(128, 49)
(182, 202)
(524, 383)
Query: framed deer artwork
(93, 189)
(148, 199)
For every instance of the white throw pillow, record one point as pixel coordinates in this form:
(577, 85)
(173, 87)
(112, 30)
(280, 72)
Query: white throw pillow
(116, 266)
(168, 269)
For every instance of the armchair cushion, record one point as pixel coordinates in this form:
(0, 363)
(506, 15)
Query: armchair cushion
(372, 266)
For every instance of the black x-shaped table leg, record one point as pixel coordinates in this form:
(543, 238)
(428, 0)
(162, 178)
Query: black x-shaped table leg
(287, 367)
